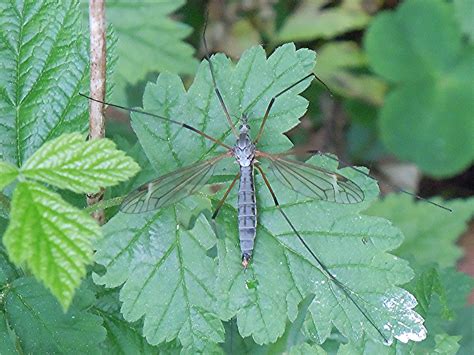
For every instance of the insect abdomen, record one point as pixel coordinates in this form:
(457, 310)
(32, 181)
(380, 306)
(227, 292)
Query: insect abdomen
(247, 213)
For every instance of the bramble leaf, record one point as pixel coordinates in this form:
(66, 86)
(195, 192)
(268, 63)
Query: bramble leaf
(8, 173)
(70, 162)
(434, 240)
(137, 249)
(44, 65)
(53, 238)
(38, 324)
(427, 117)
(149, 40)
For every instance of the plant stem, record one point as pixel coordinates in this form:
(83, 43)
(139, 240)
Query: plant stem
(97, 86)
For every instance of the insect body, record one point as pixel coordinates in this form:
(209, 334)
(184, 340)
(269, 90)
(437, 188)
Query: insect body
(244, 153)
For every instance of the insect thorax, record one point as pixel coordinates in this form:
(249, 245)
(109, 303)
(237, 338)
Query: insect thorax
(244, 149)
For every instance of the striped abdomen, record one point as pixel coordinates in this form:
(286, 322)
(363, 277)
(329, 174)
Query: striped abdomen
(247, 213)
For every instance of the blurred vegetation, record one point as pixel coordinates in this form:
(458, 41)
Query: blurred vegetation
(401, 75)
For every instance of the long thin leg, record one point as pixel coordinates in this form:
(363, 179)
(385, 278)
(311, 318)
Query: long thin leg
(221, 202)
(272, 101)
(182, 124)
(347, 291)
(218, 93)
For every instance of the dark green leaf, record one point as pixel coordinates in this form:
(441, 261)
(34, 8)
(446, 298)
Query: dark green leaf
(44, 65)
(464, 12)
(41, 326)
(69, 162)
(427, 117)
(51, 237)
(149, 40)
(433, 239)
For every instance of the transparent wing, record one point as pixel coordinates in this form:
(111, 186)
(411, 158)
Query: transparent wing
(170, 188)
(313, 181)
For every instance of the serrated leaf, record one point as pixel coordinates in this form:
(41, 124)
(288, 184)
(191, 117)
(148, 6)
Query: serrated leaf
(53, 238)
(69, 162)
(427, 117)
(8, 173)
(313, 19)
(44, 65)
(158, 256)
(433, 240)
(122, 337)
(282, 274)
(42, 327)
(149, 40)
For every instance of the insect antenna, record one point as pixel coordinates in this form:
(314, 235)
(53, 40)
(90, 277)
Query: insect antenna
(350, 294)
(397, 188)
(182, 124)
(216, 89)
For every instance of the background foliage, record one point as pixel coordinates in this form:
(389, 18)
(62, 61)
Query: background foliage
(402, 78)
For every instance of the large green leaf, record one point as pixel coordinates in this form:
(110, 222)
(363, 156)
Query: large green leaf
(156, 257)
(69, 162)
(40, 326)
(314, 19)
(44, 65)
(53, 238)
(430, 232)
(148, 41)
(427, 117)
(142, 251)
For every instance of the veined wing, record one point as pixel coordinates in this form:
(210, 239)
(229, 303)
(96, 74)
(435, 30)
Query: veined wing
(313, 181)
(170, 188)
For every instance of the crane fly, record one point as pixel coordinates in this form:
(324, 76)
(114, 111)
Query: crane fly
(302, 177)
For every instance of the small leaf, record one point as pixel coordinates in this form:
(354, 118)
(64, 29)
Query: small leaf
(69, 162)
(446, 344)
(427, 117)
(41, 326)
(8, 173)
(313, 20)
(44, 65)
(149, 41)
(159, 256)
(339, 66)
(435, 238)
(52, 237)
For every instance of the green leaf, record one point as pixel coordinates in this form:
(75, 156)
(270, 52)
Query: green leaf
(52, 237)
(69, 162)
(313, 20)
(8, 173)
(446, 344)
(158, 256)
(427, 117)
(304, 349)
(44, 65)
(139, 251)
(434, 240)
(41, 326)
(149, 40)
(339, 66)
(122, 337)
